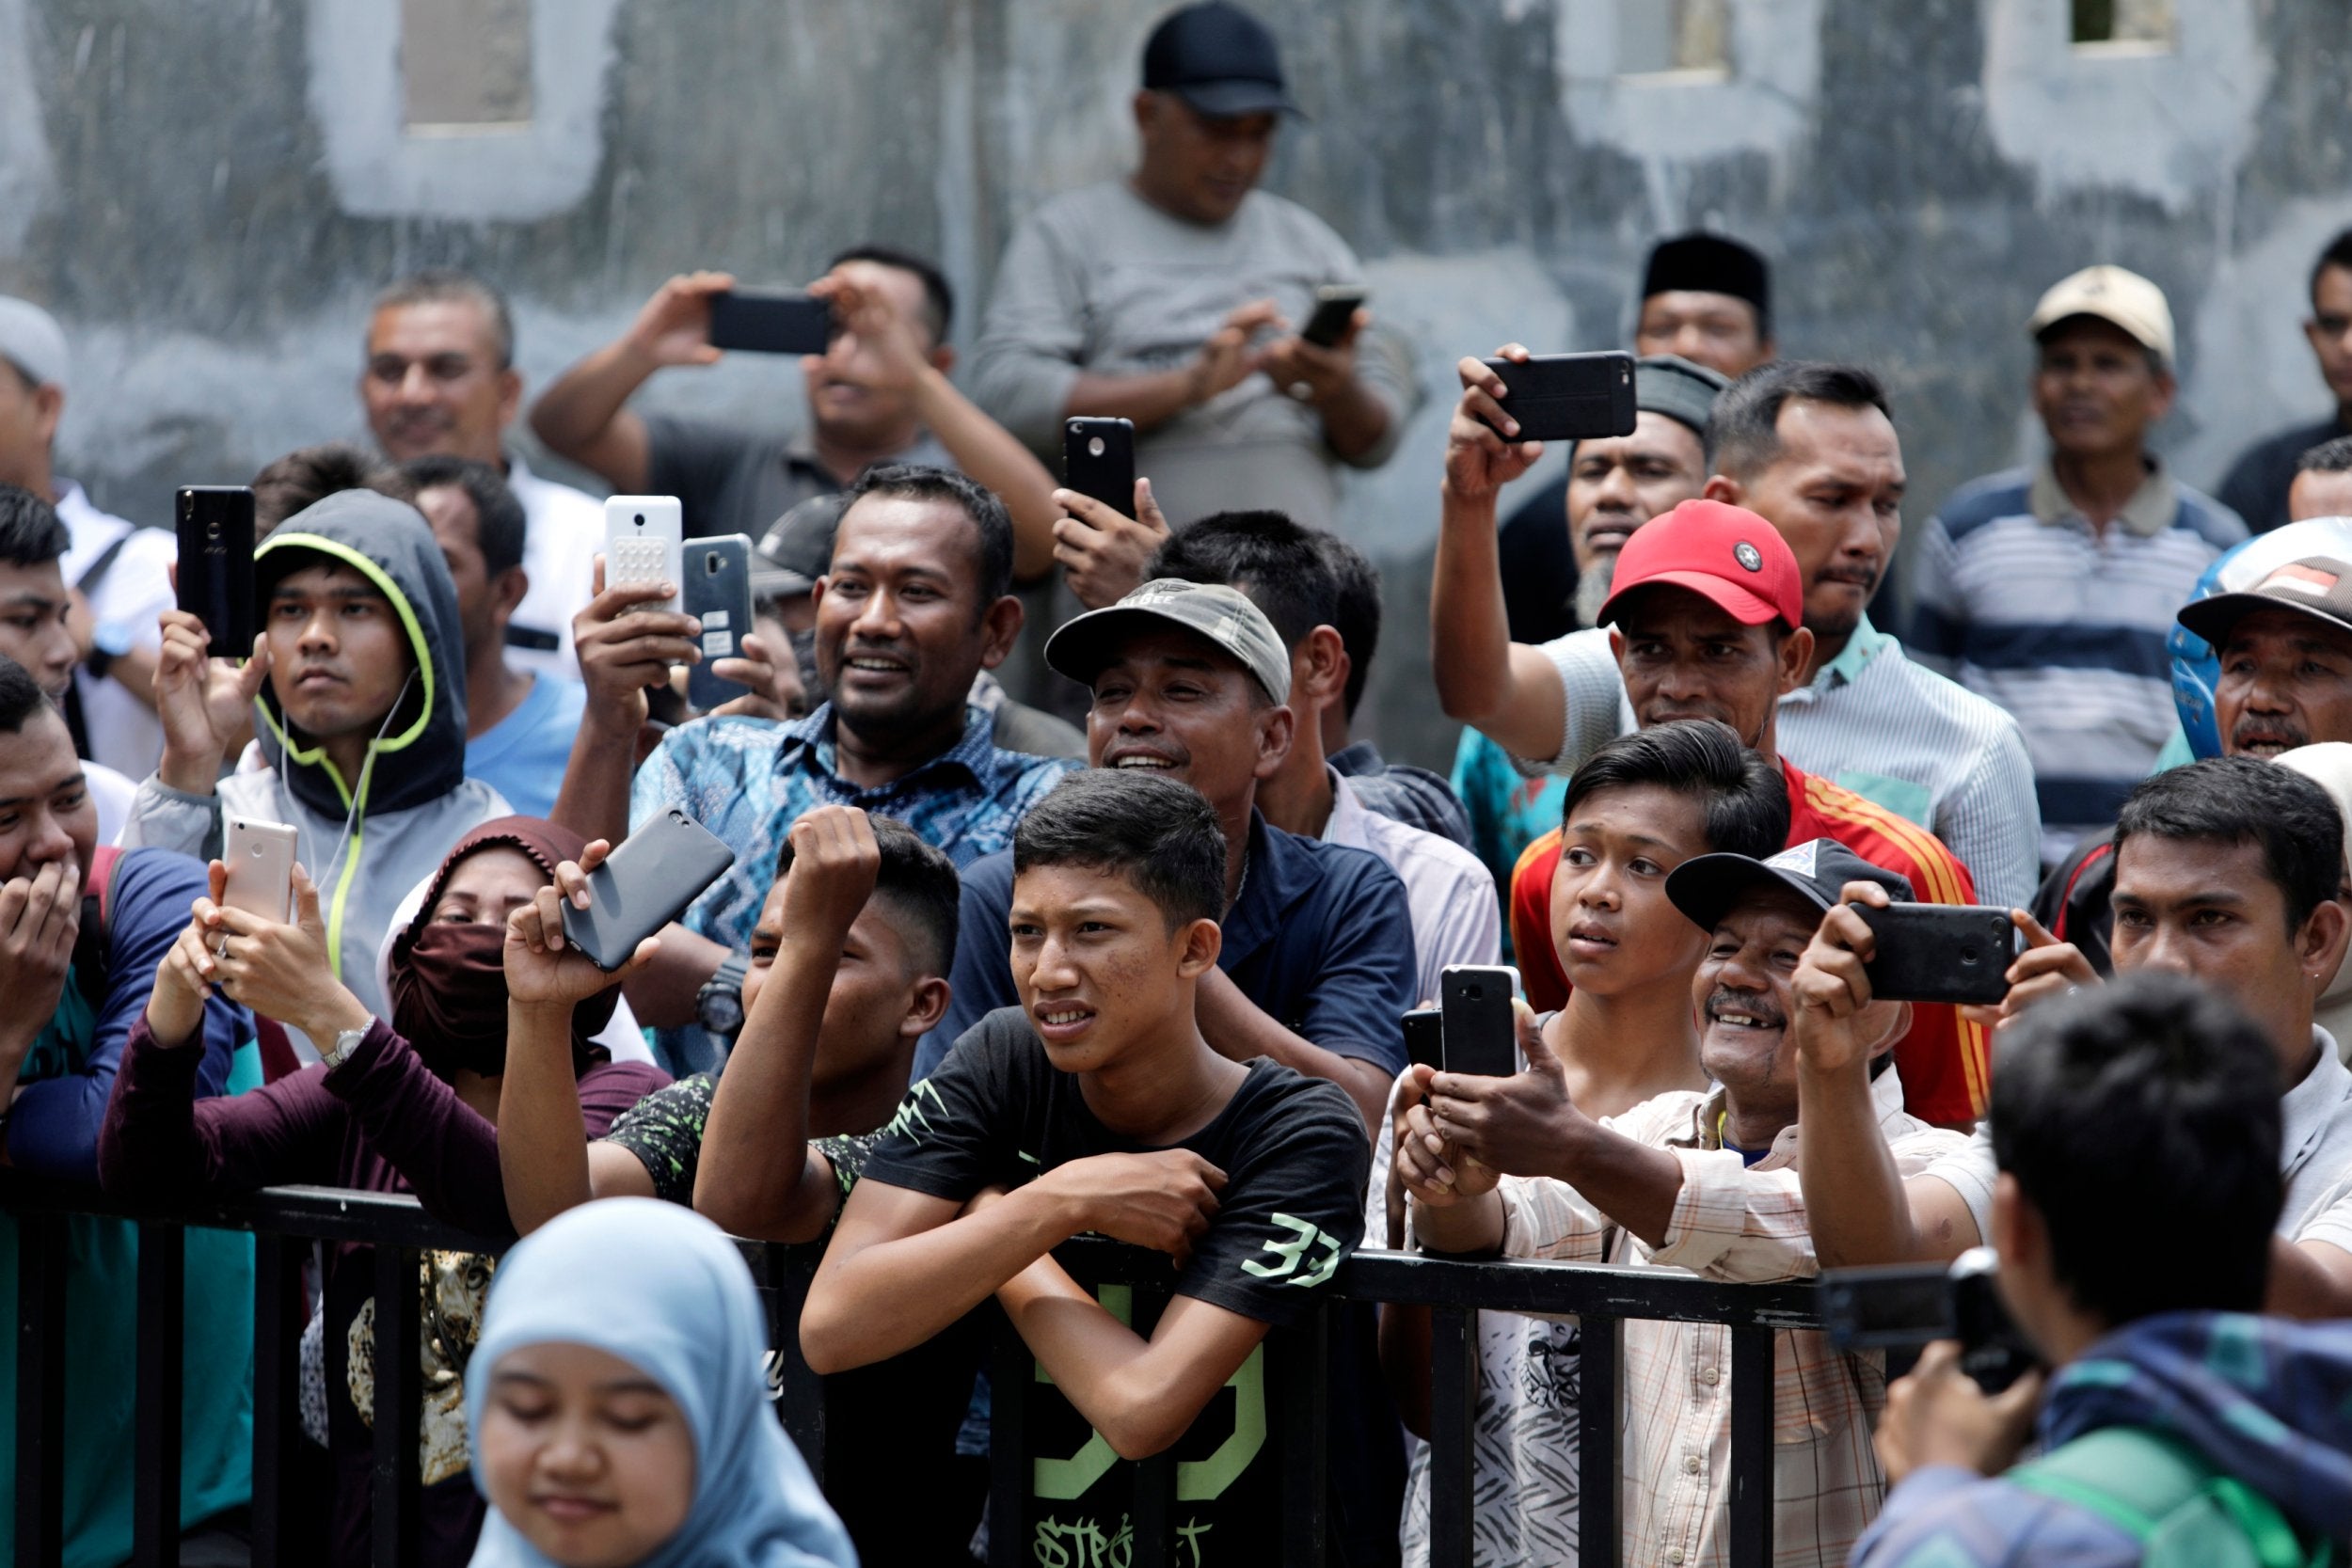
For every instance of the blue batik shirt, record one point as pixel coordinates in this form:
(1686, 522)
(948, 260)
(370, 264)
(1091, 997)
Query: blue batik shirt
(749, 779)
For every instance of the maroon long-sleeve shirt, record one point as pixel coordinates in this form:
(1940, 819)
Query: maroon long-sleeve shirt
(380, 1122)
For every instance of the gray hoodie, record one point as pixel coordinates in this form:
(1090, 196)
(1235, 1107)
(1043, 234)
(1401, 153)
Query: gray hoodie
(411, 802)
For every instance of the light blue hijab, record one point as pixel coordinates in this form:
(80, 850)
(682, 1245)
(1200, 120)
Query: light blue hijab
(665, 1289)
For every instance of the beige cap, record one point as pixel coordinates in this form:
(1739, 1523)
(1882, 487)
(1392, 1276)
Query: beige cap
(1085, 644)
(2115, 296)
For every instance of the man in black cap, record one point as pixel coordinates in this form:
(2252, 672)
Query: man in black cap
(1705, 301)
(1174, 297)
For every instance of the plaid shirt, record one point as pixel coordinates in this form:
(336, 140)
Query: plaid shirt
(1738, 1222)
(749, 779)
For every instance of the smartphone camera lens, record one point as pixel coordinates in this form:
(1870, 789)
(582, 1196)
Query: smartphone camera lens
(1476, 993)
(710, 564)
(1967, 954)
(1094, 446)
(640, 519)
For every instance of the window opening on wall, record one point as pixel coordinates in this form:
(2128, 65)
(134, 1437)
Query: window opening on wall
(465, 66)
(1681, 37)
(2135, 26)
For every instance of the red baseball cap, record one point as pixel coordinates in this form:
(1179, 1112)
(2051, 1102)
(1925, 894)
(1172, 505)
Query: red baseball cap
(1726, 554)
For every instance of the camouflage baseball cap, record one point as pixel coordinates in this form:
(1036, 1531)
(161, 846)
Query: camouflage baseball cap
(1084, 644)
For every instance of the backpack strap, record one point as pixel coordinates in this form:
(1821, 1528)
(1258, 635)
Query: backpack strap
(2138, 1480)
(90, 958)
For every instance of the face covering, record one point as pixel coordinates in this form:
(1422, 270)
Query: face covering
(446, 980)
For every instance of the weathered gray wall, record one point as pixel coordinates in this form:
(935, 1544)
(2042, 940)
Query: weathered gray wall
(207, 193)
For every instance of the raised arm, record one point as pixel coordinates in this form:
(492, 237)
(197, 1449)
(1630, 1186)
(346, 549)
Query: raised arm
(624, 648)
(542, 1150)
(1509, 690)
(583, 415)
(759, 1175)
(1858, 1207)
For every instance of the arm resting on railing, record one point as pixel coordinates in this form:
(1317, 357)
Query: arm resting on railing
(159, 1141)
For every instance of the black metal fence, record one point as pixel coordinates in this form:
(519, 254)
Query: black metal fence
(285, 1221)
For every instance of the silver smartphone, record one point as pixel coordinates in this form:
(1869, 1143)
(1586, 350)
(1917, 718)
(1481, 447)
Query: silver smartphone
(259, 857)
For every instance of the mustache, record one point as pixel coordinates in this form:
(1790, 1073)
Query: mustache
(2268, 729)
(1724, 998)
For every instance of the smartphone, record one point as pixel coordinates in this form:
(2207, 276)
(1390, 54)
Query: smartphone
(1940, 952)
(644, 541)
(1098, 459)
(1425, 1038)
(659, 869)
(259, 859)
(1568, 397)
(771, 322)
(1336, 305)
(1480, 1036)
(216, 527)
(719, 594)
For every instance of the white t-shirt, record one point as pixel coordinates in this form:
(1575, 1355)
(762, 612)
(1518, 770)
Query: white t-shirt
(564, 530)
(124, 734)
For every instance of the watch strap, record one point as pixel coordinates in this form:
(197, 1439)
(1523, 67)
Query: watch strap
(345, 1043)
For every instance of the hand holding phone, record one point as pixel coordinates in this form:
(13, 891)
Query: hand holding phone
(1568, 397)
(718, 593)
(1336, 305)
(644, 543)
(1958, 953)
(215, 577)
(258, 859)
(1481, 1034)
(648, 882)
(1098, 459)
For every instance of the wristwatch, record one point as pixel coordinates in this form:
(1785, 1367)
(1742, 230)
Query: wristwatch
(109, 640)
(345, 1043)
(719, 1005)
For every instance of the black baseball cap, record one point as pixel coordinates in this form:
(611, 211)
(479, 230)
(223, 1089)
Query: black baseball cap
(1220, 59)
(1707, 887)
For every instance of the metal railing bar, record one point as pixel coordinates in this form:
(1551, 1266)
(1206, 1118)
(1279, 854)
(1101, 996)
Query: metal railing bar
(41, 1390)
(1298, 1377)
(1599, 1473)
(160, 1340)
(277, 1304)
(399, 1394)
(1750, 1446)
(1453, 1413)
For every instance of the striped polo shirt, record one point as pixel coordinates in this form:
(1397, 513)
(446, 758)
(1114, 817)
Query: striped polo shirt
(2019, 598)
(1944, 1058)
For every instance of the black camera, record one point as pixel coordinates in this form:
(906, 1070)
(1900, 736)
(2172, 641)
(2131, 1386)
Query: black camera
(1902, 1307)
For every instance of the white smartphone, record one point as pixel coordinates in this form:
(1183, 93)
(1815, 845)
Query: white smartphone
(260, 858)
(643, 539)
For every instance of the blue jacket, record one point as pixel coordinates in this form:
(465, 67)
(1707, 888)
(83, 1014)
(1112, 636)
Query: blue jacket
(2266, 1401)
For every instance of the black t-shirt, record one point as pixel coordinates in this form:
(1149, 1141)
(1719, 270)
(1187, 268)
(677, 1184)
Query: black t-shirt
(1295, 1161)
(890, 1428)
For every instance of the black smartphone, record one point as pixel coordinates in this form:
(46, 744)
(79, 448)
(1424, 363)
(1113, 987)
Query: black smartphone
(718, 592)
(771, 323)
(1480, 1036)
(1568, 397)
(660, 869)
(1425, 1038)
(1940, 952)
(1336, 305)
(1098, 459)
(216, 527)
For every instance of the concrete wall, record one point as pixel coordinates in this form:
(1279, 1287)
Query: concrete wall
(207, 193)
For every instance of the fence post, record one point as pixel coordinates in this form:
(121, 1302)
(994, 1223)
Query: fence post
(1599, 1399)
(1301, 1362)
(1751, 1447)
(1452, 1415)
(277, 1391)
(41, 1357)
(156, 1421)
(399, 1401)
(800, 1392)
(1010, 1367)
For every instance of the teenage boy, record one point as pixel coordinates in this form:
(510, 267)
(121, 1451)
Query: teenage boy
(361, 676)
(81, 928)
(1707, 1181)
(1315, 962)
(37, 632)
(1704, 616)
(1097, 1106)
(1640, 806)
(849, 967)
(2124, 1124)
(519, 725)
(2228, 871)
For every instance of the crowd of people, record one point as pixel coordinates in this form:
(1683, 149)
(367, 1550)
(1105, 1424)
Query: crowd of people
(973, 984)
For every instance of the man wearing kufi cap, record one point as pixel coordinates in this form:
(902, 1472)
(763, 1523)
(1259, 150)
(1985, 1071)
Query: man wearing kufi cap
(1706, 298)
(2050, 589)
(119, 569)
(1175, 298)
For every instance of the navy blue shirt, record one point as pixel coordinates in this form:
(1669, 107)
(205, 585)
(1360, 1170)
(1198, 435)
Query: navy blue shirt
(1320, 940)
